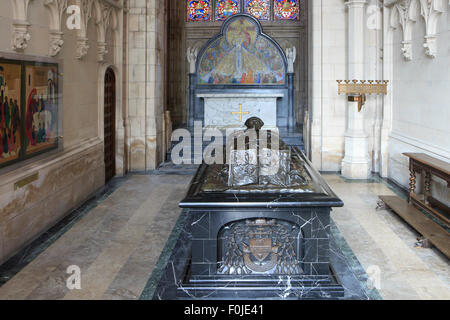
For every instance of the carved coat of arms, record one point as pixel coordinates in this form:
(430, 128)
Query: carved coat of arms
(260, 247)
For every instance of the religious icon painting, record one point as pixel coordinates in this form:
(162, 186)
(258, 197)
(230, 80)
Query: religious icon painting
(227, 8)
(41, 109)
(10, 111)
(286, 9)
(260, 9)
(199, 10)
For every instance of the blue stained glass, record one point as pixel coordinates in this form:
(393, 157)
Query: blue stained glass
(286, 9)
(198, 10)
(227, 8)
(260, 9)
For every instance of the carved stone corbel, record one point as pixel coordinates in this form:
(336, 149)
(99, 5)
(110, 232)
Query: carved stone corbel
(21, 35)
(431, 10)
(86, 7)
(405, 13)
(56, 10)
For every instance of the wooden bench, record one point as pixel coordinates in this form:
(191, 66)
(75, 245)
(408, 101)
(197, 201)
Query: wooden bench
(428, 166)
(435, 233)
(430, 230)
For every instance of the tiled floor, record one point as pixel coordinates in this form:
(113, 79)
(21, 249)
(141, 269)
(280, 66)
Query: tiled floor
(384, 243)
(117, 243)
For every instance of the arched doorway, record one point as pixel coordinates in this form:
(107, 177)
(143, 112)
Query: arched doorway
(110, 124)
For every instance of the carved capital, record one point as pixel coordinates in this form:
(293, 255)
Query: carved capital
(356, 3)
(55, 43)
(430, 46)
(101, 51)
(407, 50)
(82, 48)
(21, 37)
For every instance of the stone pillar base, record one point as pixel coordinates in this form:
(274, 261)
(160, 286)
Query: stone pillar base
(352, 170)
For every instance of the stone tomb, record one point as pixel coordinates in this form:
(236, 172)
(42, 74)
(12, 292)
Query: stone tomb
(256, 231)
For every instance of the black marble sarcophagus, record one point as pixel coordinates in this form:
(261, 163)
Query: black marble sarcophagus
(260, 225)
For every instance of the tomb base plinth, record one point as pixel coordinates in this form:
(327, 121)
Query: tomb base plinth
(258, 242)
(219, 268)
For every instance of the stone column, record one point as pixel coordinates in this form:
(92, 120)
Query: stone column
(146, 97)
(291, 112)
(388, 74)
(356, 161)
(192, 99)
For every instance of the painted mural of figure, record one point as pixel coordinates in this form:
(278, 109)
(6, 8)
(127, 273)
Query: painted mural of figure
(241, 51)
(16, 117)
(31, 110)
(42, 119)
(2, 118)
(51, 101)
(5, 141)
(12, 112)
(41, 134)
(51, 88)
(250, 79)
(38, 121)
(239, 61)
(34, 136)
(1, 144)
(14, 125)
(6, 113)
(11, 144)
(244, 76)
(2, 77)
(2, 84)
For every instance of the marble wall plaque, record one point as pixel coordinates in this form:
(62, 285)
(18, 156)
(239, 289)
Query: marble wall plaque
(223, 110)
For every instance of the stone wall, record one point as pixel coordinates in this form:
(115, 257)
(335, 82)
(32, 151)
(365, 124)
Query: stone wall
(65, 181)
(420, 99)
(70, 175)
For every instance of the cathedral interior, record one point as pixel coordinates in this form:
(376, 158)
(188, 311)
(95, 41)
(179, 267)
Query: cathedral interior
(224, 149)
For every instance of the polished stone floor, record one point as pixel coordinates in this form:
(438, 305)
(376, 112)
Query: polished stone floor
(123, 237)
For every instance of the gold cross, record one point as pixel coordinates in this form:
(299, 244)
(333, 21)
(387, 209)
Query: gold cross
(240, 113)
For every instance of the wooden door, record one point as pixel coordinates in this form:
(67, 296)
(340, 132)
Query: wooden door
(110, 124)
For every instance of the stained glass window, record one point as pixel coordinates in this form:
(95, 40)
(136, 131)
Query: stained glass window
(286, 9)
(199, 10)
(260, 9)
(227, 8)
(220, 10)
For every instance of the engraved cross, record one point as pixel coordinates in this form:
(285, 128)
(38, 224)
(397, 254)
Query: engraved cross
(240, 113)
